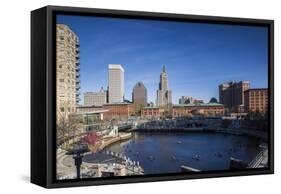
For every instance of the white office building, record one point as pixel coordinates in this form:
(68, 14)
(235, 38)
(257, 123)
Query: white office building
(116, 87)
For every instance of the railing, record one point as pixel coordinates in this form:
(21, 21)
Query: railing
(258, 159)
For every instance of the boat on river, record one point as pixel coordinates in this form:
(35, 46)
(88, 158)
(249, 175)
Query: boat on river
(196, 157)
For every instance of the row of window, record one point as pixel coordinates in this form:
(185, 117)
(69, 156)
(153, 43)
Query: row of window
(67, 75)
(62, 109)
(151, 113)
(258, 94)
(61, 30)
(61, 65)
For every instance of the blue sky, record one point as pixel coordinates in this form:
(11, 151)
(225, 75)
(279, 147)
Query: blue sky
(198, 57)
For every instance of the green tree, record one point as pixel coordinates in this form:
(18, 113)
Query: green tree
(137, 109)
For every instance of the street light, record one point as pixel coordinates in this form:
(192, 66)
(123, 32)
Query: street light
(77, 152)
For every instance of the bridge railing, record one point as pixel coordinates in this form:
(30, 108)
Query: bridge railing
(258, 159)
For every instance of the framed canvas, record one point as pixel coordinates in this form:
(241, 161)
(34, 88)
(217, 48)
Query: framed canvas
(125, 96)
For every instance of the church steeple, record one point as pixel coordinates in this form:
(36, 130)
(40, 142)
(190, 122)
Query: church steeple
(164, 69)
(164, 95)
(163, 84)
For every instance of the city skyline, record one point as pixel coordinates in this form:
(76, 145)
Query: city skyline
(197, 57)
(207, 83)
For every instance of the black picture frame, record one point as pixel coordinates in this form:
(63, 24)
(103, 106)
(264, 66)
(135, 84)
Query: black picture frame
(43, 90)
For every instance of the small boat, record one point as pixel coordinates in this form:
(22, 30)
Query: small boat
(196, 157)
(219, 155)
(179, 142)
(174, 158)
(150, 158)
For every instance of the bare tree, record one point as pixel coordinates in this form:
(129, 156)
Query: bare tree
(67, 125)
(61, 128)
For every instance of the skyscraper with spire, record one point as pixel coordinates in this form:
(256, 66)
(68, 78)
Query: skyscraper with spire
(164, 95)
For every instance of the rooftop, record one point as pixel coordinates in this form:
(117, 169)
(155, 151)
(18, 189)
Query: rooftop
(151, 107)
(91, 106)
(115, 66)
(198, 104)
(91, 112)
(117, 103)
(253, 89)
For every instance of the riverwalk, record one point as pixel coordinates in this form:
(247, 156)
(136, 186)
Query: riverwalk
(100, 145)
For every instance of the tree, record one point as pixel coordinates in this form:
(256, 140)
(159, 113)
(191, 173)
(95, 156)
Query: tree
(167, 114)
(61, 128)
(137, 109)
(92, 138)
(67, 125)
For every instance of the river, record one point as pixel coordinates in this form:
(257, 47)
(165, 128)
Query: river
(165, 152)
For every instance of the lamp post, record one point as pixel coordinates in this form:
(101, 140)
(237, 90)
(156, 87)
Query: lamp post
(77, 151)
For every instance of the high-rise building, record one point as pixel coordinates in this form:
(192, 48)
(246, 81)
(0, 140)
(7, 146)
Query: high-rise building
(186, 100)
(164, 95)
(95, 98)
(256, 100)
(68, 70)
(231, 94)
(139, 94)
(189, 100)
(150, 104)
(116, 90)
